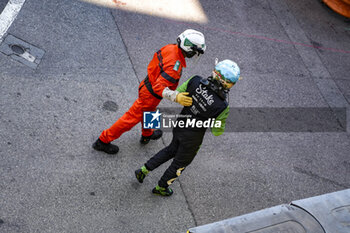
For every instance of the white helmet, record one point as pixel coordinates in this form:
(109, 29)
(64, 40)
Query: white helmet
(191, 42)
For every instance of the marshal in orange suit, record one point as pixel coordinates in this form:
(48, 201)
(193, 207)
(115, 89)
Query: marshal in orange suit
(163, 75)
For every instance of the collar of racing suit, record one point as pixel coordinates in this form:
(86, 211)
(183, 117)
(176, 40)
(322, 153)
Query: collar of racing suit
(216, 86)
(181, 56)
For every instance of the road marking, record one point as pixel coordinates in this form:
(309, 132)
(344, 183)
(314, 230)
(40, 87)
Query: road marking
(8, 15)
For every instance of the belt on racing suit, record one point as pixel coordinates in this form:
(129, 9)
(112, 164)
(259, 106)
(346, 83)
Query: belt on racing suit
(149, 88)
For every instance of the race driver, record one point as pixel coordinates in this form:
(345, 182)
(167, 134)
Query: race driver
(209, 102)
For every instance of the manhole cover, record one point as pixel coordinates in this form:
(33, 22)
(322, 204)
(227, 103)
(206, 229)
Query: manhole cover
(17, 49)
(21, 51)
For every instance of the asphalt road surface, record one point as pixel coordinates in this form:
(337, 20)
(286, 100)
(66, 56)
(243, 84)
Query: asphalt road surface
(2, 4)
(291, 53)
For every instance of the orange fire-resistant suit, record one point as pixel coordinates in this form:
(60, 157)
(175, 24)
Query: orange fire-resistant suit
(164, 70)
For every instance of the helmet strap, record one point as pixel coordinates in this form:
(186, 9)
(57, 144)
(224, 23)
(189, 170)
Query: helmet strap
(178, 42)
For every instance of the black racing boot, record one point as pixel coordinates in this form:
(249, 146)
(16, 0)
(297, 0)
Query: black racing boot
(105, 147)
(141, 174)
(162, 191)
(155, 136)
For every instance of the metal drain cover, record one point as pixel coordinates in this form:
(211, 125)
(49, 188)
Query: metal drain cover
(22, 51)
(17, 49)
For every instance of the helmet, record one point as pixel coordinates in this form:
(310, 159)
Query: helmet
(191, 42)
(227, 72)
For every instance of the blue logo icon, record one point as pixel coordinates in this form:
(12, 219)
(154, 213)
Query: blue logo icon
(151, 120)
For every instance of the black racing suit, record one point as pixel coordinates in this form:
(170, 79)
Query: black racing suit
(207, 104)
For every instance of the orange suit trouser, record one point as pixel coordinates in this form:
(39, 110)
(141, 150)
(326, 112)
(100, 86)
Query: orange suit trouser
(145, 102)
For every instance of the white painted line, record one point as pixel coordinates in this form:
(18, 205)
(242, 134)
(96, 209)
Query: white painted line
(8, 15)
